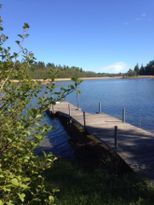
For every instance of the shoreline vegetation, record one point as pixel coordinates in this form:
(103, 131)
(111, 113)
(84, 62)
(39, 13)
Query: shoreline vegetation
(46, 81)
(46, 73)
(42, 70)
(139, 76)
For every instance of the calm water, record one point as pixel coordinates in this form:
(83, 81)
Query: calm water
(136, 95)
(57, 140)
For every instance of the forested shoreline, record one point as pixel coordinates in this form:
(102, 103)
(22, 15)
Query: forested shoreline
(142, 70)
(40, 70)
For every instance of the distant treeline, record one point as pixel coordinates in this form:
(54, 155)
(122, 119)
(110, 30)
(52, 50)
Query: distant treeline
(40, 70)
(142, 70)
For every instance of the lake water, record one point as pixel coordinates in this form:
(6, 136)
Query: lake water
(136, 95)
(57, 139)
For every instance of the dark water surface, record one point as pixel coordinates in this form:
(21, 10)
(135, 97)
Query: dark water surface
(57, 139)
(136, 95)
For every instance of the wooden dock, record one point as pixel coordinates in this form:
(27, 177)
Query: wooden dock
(134, 145)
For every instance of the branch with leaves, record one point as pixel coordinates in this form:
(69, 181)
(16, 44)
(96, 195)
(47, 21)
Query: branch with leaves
(21, 171)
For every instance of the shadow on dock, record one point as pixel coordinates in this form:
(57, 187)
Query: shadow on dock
(90, 151)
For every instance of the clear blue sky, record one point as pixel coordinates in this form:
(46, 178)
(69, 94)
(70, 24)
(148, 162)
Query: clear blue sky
(98, 35)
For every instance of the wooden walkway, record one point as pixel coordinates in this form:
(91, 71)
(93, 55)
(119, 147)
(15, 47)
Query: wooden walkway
(135, 145)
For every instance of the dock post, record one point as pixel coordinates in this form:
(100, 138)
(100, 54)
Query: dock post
(70, 126)
(123, 115)
(84, 120)
(77, 99)
(53, 111)
(115, 137)
(100, 107)
(69, 110)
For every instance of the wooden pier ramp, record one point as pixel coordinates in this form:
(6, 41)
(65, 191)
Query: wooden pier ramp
(134, 145)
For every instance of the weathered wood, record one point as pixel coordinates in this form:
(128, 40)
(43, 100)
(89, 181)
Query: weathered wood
(135, 145)
(100, 107)
(77, 99)
(123, 115)
(69, 110)
(84, 120)
(115, 137)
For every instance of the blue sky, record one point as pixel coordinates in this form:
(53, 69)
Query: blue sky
(99, 35)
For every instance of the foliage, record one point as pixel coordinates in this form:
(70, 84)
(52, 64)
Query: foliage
(40, 70)
(21, 179)
(136, 69)
(142, 70)
(131, 72)
(50, 70)
(80, 186)
(148, 69)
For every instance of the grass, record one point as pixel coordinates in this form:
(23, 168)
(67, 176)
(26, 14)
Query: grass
(80, 186)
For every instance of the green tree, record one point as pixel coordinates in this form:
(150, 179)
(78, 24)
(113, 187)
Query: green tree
(141, 72)
(137, 69)
(21, 171)
(131, 72)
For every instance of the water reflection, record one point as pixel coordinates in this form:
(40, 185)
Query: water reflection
(57, 140)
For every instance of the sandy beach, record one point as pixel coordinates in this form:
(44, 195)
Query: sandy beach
(47, 81)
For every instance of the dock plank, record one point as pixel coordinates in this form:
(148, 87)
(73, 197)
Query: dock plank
(135, 145)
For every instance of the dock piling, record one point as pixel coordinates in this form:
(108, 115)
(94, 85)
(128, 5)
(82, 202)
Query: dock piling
(53, 110)
(123, 115)
(100, 107)
(84, 120)
(77, 99)
(115, 137)
(69, 110)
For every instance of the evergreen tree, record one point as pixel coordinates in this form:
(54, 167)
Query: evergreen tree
(136, 69)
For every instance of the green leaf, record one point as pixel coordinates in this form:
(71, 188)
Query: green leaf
(17, 42)
(1, 203)
(15, 182)
(25, 26)
(51, 199)
(20, 36)
(21, 196)
(9, 203)
(6, 189)
(15, 54)
(39, 137)
(38, 116)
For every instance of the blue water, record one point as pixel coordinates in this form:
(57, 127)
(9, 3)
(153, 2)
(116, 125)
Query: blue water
(57, 139)
(136, 95)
